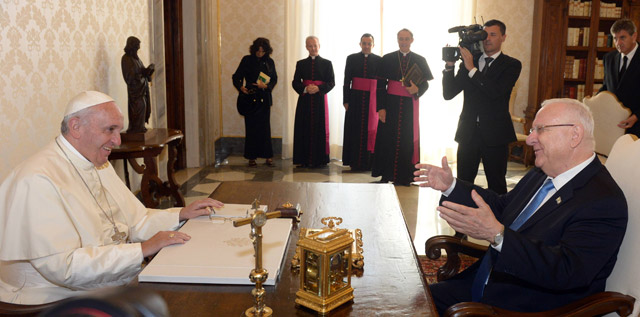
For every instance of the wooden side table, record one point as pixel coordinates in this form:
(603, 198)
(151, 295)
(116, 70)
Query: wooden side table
(152, 187)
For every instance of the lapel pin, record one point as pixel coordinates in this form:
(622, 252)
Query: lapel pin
(558, 200)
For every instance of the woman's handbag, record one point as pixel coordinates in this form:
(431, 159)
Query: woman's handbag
(247, 103)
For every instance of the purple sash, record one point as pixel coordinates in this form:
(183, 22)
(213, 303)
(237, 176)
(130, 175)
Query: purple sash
(366, 84)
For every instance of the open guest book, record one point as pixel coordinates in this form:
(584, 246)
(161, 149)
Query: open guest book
(218, 252)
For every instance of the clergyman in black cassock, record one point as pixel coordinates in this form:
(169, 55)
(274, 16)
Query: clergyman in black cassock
(312, 80)
(359, 99)
(397, 147)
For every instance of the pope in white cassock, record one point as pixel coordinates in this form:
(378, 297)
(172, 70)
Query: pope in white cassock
(68, 223)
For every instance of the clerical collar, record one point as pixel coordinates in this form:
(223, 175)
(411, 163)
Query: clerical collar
(70, 147)
(313, 57)
(405, 54)
(365, 55)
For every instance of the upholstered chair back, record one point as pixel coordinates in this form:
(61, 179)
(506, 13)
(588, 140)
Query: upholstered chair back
(623, 164)
(607, 113)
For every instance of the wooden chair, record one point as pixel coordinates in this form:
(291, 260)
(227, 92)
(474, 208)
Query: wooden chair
(23, 310)
(623, 286)
(607, 112)
(526, 154)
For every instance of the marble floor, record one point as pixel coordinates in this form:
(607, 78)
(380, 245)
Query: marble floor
(418, 204)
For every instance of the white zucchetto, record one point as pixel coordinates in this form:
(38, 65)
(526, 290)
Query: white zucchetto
(85, 100)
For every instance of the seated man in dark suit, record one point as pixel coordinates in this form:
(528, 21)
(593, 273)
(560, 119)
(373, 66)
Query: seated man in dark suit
(622, 72)
(551, 243)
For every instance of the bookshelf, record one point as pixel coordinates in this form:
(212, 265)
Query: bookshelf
(587, 40)
(570, 38)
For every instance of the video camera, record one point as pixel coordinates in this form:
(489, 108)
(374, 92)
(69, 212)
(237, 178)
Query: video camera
(471, 38)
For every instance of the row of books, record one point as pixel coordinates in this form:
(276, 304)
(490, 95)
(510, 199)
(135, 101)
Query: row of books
(579, 8)
(577, 91)
(575, 68)
(574, 92)
(578, 36)
(610, 10)
(604, 40)
(598, 72)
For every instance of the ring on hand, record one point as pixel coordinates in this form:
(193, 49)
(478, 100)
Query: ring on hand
(171, 235)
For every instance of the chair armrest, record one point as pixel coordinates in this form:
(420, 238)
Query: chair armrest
(24, 310)
(453, 246)
(594, 305)
(518, 119)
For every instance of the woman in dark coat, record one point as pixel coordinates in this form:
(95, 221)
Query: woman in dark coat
(255, 78)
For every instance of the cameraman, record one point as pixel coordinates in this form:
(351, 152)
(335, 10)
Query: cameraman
(484, 128)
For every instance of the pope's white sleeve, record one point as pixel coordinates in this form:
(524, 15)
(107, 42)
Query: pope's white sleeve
(154, 220)
(92, 267)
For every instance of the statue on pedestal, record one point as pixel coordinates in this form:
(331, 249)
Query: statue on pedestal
(137, 77)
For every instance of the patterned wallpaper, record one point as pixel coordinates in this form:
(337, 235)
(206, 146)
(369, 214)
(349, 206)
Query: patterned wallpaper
(49, 51)
(242, 21)
(517, 15)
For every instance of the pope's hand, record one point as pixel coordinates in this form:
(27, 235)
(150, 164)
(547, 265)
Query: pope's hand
(438, 178)
(199, 208)
(161, 240)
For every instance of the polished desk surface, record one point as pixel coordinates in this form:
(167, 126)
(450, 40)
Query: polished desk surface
(391, 283)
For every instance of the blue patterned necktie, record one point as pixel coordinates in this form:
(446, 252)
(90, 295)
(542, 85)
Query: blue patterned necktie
(482, 275)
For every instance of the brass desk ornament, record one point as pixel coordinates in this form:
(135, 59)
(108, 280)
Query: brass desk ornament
(258, 274)
(325, 267)
(357, 257)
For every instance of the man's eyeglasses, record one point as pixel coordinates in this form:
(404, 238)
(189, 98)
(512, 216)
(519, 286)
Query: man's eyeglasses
(542, 128)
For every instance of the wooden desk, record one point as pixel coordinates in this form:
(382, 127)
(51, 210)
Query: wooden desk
(151, 186)
(391, 284)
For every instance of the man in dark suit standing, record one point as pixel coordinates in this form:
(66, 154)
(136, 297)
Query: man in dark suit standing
(554, 237)
(485, 128)
(622, 72)
(359, 99)
(312, 80)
